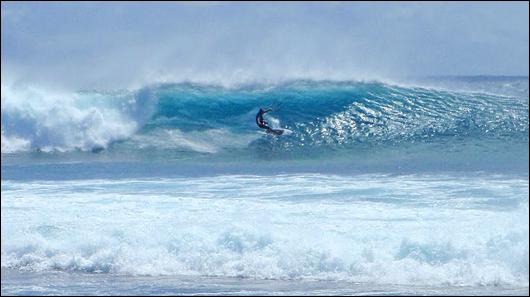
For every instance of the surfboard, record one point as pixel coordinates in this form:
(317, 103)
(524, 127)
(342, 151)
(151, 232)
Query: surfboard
(275, 131)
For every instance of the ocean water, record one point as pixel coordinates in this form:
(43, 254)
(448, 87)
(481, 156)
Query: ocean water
(380, 189)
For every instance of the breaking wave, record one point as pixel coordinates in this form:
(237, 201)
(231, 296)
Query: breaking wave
(323, 116)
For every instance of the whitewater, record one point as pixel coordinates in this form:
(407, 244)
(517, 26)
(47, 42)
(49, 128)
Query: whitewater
(381, 188)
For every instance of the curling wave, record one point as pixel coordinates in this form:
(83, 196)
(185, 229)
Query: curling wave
(324, 116)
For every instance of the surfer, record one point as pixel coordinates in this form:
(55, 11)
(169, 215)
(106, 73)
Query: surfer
(264, 125)
(260, 121)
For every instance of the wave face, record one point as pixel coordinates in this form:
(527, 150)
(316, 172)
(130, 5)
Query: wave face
(324, 117)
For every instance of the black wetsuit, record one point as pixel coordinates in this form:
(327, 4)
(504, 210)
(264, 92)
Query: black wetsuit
(260, 121)
(264, 125)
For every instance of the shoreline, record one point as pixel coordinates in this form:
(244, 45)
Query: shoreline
(58, 282)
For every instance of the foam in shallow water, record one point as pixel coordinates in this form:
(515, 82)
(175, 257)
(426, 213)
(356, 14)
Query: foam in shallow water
(382, 229)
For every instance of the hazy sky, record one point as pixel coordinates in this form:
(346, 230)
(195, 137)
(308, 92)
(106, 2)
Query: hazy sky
(111, 45)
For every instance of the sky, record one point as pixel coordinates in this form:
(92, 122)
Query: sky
(126, 44)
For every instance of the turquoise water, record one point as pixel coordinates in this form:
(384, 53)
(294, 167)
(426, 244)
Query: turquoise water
(380, 188)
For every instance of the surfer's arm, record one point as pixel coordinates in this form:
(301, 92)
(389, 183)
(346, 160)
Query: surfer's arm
(267, 110)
